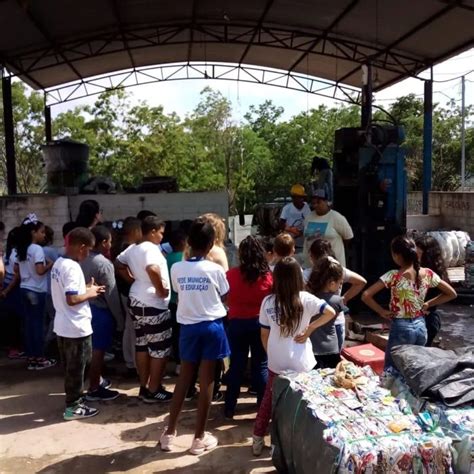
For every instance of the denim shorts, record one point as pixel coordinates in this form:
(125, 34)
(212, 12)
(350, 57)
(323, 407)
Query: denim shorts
(203, 341)
(405, 331)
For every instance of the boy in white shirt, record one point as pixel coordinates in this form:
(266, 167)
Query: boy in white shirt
(149, 299)
(72, 322)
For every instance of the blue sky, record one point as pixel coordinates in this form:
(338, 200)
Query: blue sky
(182, 96)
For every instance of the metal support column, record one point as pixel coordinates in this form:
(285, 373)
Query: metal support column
(47, 124)
(427, 143)
(366, 112)
(9, 134)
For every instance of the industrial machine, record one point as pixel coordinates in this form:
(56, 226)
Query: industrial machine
(370, 191)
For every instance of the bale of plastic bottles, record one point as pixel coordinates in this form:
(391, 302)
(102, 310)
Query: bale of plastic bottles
(453, 245)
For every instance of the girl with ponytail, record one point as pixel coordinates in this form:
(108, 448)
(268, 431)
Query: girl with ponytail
(408, 288)
(32, 268)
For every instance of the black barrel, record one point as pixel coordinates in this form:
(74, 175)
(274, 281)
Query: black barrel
(67, 166)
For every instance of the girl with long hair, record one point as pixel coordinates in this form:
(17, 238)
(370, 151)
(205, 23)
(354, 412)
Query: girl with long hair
(32, 267)
(430, 256)
(217, 253)
(408, 287)
(285, 320)
(89, 214)
(249, 283)
(325, 282)
(321, 249)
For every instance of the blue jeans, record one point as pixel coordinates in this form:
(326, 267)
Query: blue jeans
(33, 311)
(341, 334)
(405, 331)
(244, 334)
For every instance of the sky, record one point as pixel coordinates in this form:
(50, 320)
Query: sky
(182, 96)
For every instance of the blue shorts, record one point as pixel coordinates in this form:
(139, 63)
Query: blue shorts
(203, 341)
(103, 326)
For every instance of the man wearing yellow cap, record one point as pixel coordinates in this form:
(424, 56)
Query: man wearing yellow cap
(293, 215)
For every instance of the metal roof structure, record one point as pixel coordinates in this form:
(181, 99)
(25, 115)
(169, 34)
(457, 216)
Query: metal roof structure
(52, 42)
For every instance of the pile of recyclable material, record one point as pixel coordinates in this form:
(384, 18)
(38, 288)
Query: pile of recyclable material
(373, 431)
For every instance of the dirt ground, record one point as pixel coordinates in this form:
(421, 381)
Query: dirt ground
(124, 436)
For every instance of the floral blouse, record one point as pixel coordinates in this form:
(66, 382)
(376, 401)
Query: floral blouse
(406, 300)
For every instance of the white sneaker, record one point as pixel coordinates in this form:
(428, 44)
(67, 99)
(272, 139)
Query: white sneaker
(167, 440)
(206, 443)
(258, 445)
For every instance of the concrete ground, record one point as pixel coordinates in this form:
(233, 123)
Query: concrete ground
(122, 438)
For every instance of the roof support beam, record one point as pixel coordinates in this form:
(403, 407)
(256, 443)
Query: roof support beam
(184, 71)
(191, 32)
(404, 37)
(325, 33)
(26, 9)
(118, 18)
(259, 25)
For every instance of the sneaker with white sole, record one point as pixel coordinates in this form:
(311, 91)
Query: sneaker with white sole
(167, 440)
(79, 412)
(160, 396)
(101, 394)
(42, 364)
(258, 443)
(201, 445)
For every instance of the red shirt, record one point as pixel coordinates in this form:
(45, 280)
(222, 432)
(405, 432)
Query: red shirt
(244, 298)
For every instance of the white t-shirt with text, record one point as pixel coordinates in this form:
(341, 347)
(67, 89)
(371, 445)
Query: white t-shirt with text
(30, 279)
(67, 279)
(283, 352)
(138, 258)
(200, 285)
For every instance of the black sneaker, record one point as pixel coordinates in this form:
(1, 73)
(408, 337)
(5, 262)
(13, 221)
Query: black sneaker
(105, 383)
(192, 392)
(228, 414)
(102, 394)
(218, 397)
(159, 396)
(143, 393)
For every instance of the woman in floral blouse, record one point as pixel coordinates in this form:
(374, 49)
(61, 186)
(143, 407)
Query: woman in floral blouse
(408, 287)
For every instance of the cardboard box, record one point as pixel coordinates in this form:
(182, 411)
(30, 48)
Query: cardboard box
(378, 339)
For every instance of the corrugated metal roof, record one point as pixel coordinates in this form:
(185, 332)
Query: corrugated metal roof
(52, 42)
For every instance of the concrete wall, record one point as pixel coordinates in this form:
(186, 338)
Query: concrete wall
(50, 209)
(55, 211)
(447, 210)
(168, 206)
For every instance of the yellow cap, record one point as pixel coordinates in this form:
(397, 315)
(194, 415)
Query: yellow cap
(297, 190)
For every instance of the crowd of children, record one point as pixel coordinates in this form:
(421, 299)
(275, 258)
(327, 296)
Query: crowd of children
(172, 295)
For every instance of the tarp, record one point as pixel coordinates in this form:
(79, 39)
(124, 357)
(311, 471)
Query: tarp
(297, 436)
(442, 375)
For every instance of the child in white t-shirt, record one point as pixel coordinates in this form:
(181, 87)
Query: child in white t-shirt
(201, 286)
(285, 320)
(32, 267)
(72, 323)
(149, 299)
